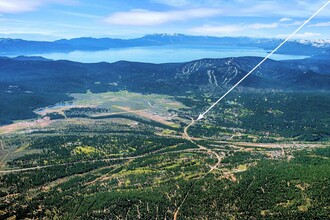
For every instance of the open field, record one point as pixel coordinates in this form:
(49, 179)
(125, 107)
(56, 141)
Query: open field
(113, 102)
(134, 101)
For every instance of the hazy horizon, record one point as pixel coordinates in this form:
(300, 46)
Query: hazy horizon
(130, 19)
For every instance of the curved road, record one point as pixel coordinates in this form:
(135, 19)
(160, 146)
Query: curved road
(219, 158)
(186, 136)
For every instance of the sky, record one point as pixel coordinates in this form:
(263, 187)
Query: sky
(57, 19)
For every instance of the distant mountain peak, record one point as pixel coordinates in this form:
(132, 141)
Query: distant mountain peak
(165, 35)
(31, 58)
(321, 43)
(24, 47)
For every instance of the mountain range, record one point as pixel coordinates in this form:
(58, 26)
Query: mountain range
(27, 83)
(38, 73)
(23, 47)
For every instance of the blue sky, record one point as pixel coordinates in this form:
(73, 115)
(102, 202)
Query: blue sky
(55, 19)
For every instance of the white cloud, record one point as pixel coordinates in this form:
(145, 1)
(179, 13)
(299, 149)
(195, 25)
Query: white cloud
(262, 26)
(308, 34)
(82, 15)
(294, 23)
(302, 35)
(18, 6)
(285, 19)
(174, 3)
(148, 18)
(230, 29)
(216, 30)
(283, 8)
(277, 8)
(322, 24)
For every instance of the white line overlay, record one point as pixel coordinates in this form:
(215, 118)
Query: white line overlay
(266, 58)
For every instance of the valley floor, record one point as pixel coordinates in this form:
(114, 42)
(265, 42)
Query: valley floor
(132, 156)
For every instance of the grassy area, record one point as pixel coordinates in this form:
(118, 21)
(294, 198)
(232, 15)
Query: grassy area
(85, 150)
(134, 101)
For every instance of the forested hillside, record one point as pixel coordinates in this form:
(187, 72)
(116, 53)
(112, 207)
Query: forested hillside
(27, 84)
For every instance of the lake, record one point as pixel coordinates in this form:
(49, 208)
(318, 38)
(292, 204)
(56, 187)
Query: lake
(163, 54)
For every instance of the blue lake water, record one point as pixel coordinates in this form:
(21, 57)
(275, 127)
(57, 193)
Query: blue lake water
(163, 54)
